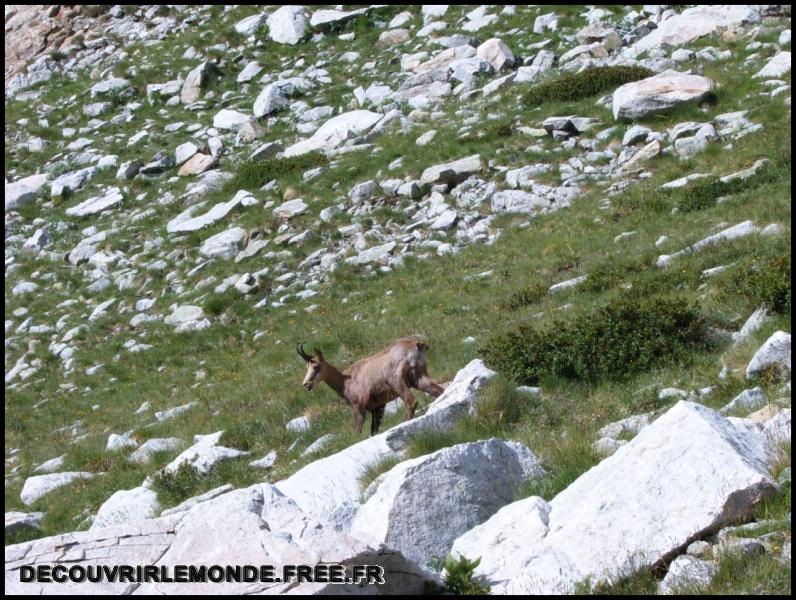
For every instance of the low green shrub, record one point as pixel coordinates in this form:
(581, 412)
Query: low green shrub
(576, 86)
(703, 193)
(761, 280)
(526, 296)
(173, 488)
(253, 174)
(459, 577)
(216, 303)
(629, 335)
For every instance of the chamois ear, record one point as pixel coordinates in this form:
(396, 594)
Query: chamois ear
(318, 353)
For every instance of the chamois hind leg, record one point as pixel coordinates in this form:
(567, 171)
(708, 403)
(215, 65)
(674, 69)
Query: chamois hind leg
(359, 418)
(429, 386)
(375, 420)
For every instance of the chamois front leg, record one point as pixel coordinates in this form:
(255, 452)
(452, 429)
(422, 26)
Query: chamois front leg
(429, 386)
(409, 402)
(375, 420)
(359, 418)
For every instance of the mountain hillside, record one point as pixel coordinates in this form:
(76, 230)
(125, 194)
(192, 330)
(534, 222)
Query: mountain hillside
(585, 212)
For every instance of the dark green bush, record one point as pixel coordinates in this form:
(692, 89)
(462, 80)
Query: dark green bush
(253, 174)
(216, 303)
(760, 281)
(173, 488)
(530, 294)
(629, 335)
(704, 192)
(576, 86)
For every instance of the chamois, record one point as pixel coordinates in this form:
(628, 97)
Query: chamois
(368, 385)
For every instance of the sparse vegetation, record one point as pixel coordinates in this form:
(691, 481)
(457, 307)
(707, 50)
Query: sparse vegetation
(252, 175)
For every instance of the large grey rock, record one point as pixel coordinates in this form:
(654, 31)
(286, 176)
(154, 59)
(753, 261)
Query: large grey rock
(187, 318)
(517, 201)
(148, 449)
(287, 25)
(194, 82)
(18, 521)
(118, 442)
(185, 221)
(688, 473)
(259, 525)
(270, 100)
(224, 245)
(326, 484)
(127, 506)
(776, 67)
(109, 85)
(141, 543)
(23, 191)
(69, 183)
(731, 233)
(229, 119)
(37, 242)
(452, 172)
(324, 19)
(251, 24)
(638, 99)
(755, 321)
(52, 465)
(696, 22)
(354, 122)
(198, 164)
(204, 454)
(748, 400)
(774, 353)
(496, 53)
(92, 206)
(687, 572)
(40, 485)
(422, 505)
(335, 131)
(291, 208)
(375, 254)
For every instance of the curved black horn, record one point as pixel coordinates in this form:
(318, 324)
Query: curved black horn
(301, 353)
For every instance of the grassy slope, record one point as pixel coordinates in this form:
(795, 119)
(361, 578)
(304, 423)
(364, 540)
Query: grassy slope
(253, 387)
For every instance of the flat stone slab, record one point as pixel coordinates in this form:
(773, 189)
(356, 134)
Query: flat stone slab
(113, 197)
(40, 485)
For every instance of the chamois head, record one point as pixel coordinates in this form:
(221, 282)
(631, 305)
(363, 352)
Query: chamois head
(314, 366)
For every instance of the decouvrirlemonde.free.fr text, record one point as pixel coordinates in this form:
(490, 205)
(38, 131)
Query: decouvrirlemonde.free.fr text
(321, 573)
